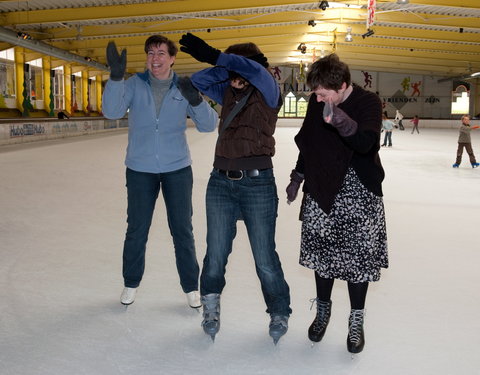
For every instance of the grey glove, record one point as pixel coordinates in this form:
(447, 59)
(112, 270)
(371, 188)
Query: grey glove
(189, 91)
(296, 180)
(116, 62)
(339, 119)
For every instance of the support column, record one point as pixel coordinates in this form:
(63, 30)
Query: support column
(47, 84)
(85, 96)
(98, 87)
(20, 77)
(67, 73)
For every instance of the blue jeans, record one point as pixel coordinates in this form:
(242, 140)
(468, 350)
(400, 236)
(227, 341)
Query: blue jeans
(388, 137)
(143, 189)
(256, 200)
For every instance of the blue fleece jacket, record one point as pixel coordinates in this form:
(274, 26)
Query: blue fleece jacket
(155, 144)
(214, 81)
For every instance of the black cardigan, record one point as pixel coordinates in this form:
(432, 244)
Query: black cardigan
(325, 156)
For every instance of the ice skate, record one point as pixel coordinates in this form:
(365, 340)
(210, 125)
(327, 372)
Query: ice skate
(475, 165)
(193, 299)
(455, 165)
(355, 338)
(211, 314)
(319, 325)
(128, 296)
(278, 327)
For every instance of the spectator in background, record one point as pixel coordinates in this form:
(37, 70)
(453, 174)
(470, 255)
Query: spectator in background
(387, 126)
(415, 120)
(465, 141)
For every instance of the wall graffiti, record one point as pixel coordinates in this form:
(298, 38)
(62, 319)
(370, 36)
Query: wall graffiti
(26, 130)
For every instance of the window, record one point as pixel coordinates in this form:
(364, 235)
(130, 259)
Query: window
(58, 88)
(7, 78)
(290, 105)
(34, 79)
(92, 94)
(302, 105)
(77, 91)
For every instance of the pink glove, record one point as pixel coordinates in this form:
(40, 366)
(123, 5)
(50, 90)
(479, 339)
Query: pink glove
(339, 119)
(296, 180)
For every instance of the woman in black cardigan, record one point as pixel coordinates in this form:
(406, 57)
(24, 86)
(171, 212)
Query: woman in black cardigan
(343, 219)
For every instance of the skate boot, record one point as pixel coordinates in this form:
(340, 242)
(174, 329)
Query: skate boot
(128, 296)
(475, 165)
(278, 326)
(355, 338)
(193, 299)
(211, 314)
(319, 325)
(456, 165)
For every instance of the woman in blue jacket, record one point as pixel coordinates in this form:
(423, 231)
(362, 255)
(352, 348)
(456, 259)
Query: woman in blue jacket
(158, 157)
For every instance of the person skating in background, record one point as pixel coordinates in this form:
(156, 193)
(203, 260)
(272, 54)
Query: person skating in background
(158, 158)
(387, 126)
(399, 120)
(415, 120)
(343, 218)
(465, 141)
(242, 183)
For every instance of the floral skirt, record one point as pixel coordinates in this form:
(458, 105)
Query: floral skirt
(350, 243)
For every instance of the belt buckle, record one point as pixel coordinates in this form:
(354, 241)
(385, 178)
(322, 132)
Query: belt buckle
(235, 178)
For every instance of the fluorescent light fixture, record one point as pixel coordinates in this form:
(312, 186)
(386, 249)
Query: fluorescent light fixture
(475, 74)
(402, 2)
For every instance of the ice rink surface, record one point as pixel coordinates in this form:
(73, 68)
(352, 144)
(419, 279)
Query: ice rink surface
(62, 225)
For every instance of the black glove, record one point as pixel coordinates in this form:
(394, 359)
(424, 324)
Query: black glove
(116, 62)
(189, 91)
(199, 49)
(339, 119)
(296, 180)
(260, 58)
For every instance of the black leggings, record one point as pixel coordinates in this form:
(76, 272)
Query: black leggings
(356, 291)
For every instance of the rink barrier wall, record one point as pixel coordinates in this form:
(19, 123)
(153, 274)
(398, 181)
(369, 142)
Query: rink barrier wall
(22, 131)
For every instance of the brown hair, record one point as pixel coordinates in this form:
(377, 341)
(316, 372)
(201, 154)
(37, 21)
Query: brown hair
(244, 49)
(156, 40)
(328, 72)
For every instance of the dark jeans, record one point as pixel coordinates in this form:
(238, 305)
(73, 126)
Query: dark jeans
(255, 200)
(143, 189)
(388, 137)
(468, 147)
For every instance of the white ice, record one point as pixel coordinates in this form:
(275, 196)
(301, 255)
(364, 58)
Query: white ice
(62, 226)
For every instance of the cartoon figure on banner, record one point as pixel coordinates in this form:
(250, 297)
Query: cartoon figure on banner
(368, 79)
(301, 73)
(405, 84)
(416, 88)
(276, 73)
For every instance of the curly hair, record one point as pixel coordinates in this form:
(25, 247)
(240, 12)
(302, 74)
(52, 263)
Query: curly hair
(328, 72)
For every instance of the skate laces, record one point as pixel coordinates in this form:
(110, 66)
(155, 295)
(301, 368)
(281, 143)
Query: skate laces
(323, 313)
(356, 325)
(279, 321)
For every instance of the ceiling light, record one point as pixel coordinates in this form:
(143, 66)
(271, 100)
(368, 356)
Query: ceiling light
(323, 5)
(312, 23)
(369, 32)
(475, 74)
(402, 2)
(302, 48)
(349, 37)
